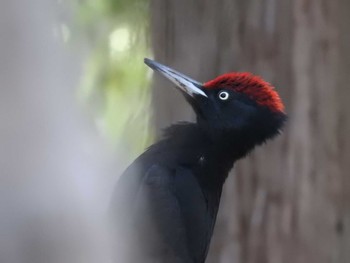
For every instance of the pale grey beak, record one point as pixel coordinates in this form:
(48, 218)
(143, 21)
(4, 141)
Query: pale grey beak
(184, 83)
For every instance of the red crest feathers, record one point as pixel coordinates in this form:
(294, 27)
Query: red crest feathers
(253, 86)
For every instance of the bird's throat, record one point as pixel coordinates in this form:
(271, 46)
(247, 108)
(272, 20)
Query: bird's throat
(221, 148)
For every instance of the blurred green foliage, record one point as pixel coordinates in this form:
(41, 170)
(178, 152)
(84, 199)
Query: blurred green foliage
(115, 84)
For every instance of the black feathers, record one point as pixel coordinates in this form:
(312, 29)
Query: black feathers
(166, 202)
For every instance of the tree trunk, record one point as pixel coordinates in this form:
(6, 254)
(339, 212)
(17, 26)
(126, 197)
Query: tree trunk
(50, 176)
(287, 202)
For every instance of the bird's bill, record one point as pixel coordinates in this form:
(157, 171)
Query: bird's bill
(184, 83)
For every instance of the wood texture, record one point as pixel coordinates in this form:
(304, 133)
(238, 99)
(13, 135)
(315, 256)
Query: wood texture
(287, 202)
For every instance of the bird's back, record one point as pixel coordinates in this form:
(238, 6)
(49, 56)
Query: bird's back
(164, 211)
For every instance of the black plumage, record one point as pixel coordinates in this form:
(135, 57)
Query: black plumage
(165, 204)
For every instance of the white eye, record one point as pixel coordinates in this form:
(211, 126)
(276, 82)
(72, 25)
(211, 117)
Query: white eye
(224, 95)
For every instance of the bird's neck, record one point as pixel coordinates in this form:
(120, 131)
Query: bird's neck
(220, 149)
(234, 144)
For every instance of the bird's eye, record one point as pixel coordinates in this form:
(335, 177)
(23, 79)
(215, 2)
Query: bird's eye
(224, 95)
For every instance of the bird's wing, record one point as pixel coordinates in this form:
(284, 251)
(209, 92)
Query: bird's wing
(166, 212)
(195, 209)
(151, 216)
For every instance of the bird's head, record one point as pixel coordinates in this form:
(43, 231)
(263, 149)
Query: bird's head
(232, 104)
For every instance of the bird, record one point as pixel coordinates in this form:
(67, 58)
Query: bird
(165, 204)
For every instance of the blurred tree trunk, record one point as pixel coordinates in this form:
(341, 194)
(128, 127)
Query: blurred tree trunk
(287, 202)
(48, 179)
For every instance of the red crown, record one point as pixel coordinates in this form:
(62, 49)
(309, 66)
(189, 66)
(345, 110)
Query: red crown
(253, 86)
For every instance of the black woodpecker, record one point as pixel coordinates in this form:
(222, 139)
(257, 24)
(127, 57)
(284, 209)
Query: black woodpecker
(165, 204)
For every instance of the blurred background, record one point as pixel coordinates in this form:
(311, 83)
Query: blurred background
(77, 105)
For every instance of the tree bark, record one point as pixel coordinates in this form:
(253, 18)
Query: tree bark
(286, 202)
